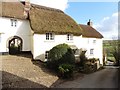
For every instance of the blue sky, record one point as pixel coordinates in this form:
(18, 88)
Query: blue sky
(96, 11)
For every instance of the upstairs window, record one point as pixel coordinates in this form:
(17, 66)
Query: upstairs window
(49, 36)
(69, 37)
(13, 22)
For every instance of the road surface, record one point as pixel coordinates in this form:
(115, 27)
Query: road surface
(106, 78)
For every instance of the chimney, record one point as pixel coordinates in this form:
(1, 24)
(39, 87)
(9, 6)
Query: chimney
(90, 23)
(27, 8)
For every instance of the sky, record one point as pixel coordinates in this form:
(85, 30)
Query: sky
(104, 16)
(103, 13)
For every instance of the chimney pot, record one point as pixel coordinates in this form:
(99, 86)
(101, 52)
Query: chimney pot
(27, 8)
(90, 23)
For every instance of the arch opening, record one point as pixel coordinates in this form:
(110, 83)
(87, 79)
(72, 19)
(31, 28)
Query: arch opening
(15, 45)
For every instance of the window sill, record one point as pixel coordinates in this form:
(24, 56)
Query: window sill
(49, 41)
(91, 54)
(71, 41)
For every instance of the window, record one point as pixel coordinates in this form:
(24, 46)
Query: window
(88, 41)
(94, 41)
(91, 51)
(49, 36)
(13, 22)
(69, 37)
(46, 54)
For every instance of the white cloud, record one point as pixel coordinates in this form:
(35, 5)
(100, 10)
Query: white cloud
(108, 26)
(58, 4)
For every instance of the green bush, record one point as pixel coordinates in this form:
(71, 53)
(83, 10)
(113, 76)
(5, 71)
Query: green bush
(60, 54)
(93, 60)
(87, 65)
(65, 70)
(89, 68)
(90, 65)
(83, 59)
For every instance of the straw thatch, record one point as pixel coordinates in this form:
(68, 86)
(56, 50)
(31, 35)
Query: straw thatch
(90, 32)
(44, 19)
(13, 10)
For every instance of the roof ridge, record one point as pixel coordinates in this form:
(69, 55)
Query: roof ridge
(46, 8)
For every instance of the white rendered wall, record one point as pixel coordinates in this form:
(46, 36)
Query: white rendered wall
(41, 44)
(22, 30)
(97, 46)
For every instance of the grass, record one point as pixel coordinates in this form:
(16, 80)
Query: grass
(112, 59)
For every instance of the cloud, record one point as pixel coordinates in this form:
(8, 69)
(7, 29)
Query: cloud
(108, 26)
(58, 4)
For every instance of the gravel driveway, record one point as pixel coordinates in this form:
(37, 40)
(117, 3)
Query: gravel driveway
(21, 72)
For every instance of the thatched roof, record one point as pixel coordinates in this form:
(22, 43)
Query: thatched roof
(13, 10)
(90, 32)
(42, 19)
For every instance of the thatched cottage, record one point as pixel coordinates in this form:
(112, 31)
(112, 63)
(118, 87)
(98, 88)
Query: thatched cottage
(37, 29)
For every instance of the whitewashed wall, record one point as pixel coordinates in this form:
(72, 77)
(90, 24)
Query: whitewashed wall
(41, 44)
(22, 30)
(97, 46)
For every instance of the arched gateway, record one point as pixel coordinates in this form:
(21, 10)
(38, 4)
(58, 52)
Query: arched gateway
(15, 45)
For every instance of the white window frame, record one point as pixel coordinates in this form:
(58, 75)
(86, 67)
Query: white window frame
(46, 54)
(69, 37)
(50, 36)
(92, 51)
(13, 22)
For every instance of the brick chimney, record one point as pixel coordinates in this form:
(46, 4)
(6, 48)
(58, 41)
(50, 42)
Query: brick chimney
(27, 8)
(90, 23)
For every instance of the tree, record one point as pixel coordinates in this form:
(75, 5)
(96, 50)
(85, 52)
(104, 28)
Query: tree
(116, 51)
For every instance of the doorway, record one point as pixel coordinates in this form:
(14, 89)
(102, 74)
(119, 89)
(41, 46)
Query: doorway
(15, 45)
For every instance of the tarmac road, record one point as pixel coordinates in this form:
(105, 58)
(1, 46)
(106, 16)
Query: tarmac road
(106, 78)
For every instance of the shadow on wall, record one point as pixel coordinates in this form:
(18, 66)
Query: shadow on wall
(12, 81)
(24, 27)
(41, 57)
(27, 54)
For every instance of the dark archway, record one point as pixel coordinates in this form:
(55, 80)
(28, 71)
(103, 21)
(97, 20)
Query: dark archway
(15, 45)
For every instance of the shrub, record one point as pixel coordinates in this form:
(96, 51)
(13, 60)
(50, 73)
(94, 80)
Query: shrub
(90, 65)
(87, 65)
(65, 70)
(83, 59)
(60, 54)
